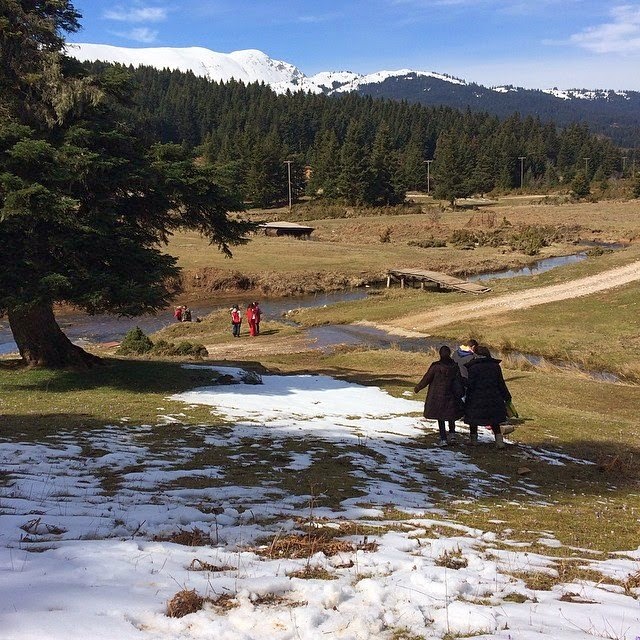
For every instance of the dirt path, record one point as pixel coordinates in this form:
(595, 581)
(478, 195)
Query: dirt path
(482, 308)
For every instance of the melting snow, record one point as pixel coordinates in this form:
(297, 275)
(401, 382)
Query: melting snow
(98, 506)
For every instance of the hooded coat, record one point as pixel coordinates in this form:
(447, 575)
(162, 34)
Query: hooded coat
(487, 392)
(444, 397)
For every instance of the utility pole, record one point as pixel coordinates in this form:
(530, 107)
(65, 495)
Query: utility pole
(521, 158)
(624, 165)
(428, 163)
(288, 163)
(586, 166)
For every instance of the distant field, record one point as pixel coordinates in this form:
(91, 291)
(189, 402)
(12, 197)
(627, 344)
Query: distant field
(353, 246)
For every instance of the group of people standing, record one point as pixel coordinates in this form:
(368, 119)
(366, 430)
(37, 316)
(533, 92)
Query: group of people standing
(253, 315)
(469, 384)
(182, 313)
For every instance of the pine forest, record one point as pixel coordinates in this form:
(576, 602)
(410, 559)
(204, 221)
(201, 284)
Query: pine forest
(357, 149)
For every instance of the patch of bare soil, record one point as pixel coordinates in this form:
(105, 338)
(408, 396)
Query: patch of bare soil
(262, 345)
(521, 300)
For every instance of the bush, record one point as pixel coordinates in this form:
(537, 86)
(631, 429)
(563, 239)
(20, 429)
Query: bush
(184, 348)
(385, 235)
(529, 241)
(135, 342)
(429, 243)
(463, 238)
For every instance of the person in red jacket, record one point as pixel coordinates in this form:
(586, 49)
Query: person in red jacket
(257, 314)
(236, 321)
(251, 319)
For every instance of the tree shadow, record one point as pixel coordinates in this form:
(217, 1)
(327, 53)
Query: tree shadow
(42, 425)
(143, 376)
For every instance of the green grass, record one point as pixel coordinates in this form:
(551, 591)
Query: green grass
(599, 332)
(393, 303)
(594, 506)
(36, 402)
(215, 328)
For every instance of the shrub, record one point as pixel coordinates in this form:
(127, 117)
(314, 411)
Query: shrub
(428, 243)
(135, 342)
(529, 240)
(184, 348)
(385, 235)
(463, 238)
(194, 349)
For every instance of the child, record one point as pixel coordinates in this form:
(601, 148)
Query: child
(236, 321)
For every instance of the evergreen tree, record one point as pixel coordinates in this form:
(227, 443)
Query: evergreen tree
(482, 180)
(267, 178)
(580, 185)
(325, 167)
(84, 204)
(385, 187)
(636, 186)
(452, 168)
(413, 166)
(355, 171)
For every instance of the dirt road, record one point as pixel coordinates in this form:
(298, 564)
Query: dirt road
(482, 308)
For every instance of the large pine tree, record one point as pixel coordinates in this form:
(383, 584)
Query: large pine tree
(84, 205)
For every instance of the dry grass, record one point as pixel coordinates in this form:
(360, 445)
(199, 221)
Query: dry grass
(224, 602)
(562, 572)
(193, 538)
(452, 560)
(304, 546)
(347, 251)
(200, 565)
(312, 573)
(183, 603)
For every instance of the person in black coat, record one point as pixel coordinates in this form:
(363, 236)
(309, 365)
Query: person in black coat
(487, 395)
(444, 397)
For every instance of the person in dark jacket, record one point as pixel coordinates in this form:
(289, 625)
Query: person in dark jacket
(487, 395)
(444, 397)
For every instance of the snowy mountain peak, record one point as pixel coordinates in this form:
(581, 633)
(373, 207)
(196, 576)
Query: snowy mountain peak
(250, 65)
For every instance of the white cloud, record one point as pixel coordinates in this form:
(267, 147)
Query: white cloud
(139, 34)
(136, 14)
(621, 35)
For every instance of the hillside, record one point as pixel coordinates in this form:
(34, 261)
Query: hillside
(615, 114)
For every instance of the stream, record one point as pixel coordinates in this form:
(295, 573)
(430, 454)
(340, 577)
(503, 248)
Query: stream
(83, 329)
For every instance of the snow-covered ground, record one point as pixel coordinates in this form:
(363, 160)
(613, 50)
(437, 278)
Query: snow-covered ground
(85, 518)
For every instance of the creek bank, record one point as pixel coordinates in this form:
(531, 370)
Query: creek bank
(329, 337)
(203, 282)
(206, 281)
(85, 330)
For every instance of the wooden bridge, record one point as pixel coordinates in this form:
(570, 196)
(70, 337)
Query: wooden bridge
(442, 280)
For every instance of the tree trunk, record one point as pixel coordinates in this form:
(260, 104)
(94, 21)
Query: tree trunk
(42, 343)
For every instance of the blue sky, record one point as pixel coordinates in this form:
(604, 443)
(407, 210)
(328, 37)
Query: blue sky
(536, 44)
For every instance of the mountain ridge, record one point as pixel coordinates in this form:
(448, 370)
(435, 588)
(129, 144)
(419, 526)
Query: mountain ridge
(612, 113)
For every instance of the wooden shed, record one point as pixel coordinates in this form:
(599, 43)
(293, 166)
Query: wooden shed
(286, 229)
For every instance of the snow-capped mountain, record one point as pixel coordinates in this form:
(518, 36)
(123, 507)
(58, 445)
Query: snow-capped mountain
(249, 65)
(612, 113)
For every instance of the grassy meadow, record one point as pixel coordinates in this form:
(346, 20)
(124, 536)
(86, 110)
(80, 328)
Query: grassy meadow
(353, 244)
(589, 502)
